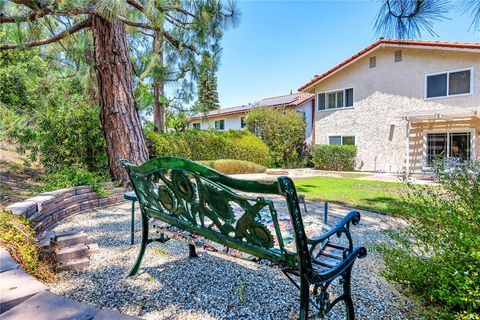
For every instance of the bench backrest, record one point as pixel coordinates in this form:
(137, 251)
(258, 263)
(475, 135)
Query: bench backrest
(202, 201)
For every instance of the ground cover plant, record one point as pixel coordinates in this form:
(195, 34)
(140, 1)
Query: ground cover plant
(71, 176)
(229, 166)
(437, 257)
(378, 196)
(18, 237)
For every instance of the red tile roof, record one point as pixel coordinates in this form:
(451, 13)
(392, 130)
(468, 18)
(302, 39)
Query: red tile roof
(392, 42)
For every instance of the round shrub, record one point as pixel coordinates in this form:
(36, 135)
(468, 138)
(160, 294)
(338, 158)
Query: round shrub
(334, 157)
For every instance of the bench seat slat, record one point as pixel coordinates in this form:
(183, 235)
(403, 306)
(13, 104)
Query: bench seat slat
(326, 261)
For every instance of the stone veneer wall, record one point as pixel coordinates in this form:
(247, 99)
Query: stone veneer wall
(48, 208)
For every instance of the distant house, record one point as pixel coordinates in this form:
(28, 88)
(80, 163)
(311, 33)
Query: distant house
(402, 103)
(234, 118)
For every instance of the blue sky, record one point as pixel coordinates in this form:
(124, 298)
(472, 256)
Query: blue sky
(280, 45)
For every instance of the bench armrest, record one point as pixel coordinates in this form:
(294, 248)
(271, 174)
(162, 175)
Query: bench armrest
(343, 227)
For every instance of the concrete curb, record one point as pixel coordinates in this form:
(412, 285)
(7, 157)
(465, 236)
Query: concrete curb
(24, 297)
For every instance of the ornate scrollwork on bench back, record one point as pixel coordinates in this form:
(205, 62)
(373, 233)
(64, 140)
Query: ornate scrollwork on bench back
(191, 198)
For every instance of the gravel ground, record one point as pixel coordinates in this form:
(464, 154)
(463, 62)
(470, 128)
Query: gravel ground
(215, 285)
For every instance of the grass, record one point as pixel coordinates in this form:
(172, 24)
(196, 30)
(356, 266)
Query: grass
(377, 196)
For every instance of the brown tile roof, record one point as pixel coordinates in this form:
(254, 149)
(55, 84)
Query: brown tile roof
(392, 42)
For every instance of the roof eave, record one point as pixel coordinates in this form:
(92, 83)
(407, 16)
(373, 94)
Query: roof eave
(387, 43)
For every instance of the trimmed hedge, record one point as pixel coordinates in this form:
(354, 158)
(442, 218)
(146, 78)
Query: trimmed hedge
(334, 157)
(229, 166)
(208, 145)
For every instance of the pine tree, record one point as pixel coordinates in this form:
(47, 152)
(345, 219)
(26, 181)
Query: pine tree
(185, 28)
(207, 84)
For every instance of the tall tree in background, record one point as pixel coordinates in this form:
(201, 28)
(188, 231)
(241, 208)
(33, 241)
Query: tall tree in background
(190, 26)
(207, 84)
(201, 25)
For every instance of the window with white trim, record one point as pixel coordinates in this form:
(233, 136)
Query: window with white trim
(449, 83)
(335, 99)
(196, 125)
(242, 122)
(457, 145)
(342, 140)
(219, 124)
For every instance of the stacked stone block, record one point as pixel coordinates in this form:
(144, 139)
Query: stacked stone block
(48, 208)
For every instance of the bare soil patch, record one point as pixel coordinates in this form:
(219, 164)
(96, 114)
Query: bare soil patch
(17, 175)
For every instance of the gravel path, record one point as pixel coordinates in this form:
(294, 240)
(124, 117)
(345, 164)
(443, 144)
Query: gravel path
(214, 286)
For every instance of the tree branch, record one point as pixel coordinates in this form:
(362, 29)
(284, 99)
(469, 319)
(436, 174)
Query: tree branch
(32, 4)
(136, 5)
(170, 38)
(35, 15)
(82, 25)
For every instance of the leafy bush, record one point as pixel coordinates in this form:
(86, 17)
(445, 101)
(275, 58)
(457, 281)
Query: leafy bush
(68, 134)
(283, 131)
(437, 256)
(334, 157)
(228, 166)
(19, 238)
(72, 176)
(208, 145)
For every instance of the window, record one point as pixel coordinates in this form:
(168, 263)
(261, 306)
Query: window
(219, 124)
(459, 82)
(242, 122)
(196, 125)
(343, 140)
(335, 99)
(448, 83)
(373, 62)
(455, 145)
(398, 55)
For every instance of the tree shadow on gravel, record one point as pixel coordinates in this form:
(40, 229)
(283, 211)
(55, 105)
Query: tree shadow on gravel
(210, 286)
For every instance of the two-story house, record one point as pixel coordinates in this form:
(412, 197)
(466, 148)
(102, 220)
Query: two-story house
(402, 103)
(234, 118)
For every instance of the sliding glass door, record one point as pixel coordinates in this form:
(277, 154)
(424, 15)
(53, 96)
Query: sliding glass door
(452, 144)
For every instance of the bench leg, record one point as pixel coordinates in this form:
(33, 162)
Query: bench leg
(132, 224)
(138, 262)
(347, 291)
(304, 298)
(192, 252)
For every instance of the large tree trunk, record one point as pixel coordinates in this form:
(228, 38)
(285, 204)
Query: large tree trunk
(158, 87)
(119, 116)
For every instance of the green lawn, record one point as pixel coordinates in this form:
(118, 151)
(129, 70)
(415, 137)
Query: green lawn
(378, 196)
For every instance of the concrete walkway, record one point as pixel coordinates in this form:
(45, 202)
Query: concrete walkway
(299, 173)
(24, 297)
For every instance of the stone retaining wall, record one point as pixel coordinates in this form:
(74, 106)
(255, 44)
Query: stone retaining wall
(48, 208)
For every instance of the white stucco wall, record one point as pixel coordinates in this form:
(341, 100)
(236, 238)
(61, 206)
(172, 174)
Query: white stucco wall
(231, 122)
(306, 107)
(384, 95)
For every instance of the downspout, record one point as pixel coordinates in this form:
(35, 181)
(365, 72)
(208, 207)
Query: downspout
(407, 145)
(313, 121)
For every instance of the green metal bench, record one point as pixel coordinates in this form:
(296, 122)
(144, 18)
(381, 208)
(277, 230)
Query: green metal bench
(200, 201)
